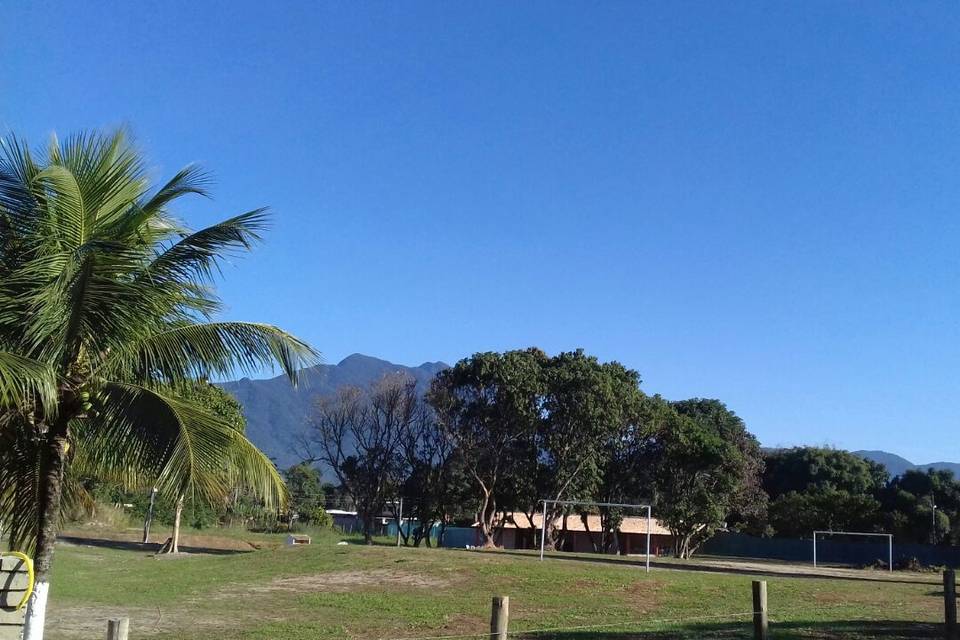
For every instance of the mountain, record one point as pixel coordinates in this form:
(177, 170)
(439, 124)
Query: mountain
(277, 413)
(897, 465)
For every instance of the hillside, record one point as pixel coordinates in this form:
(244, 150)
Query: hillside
(897, 465)
(277, 413)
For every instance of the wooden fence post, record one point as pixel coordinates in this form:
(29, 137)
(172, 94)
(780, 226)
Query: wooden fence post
(118, 628)
(759, 610)
(950, 604)
(499, 617)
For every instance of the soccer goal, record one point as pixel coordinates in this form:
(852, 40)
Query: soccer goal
(644, 507)
(888, 536)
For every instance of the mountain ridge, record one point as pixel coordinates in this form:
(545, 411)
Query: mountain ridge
(898, 465)
(277, 413)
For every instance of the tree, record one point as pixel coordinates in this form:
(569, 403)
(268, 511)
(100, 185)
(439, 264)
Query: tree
(708, 469)
(106, 313)
(630, 467)
(358, 435)
(820, 488)
(488, 405)
(221, 404)
(920, 506)
(798, 514)
(435, 484)
(305, 489)
(809, 469)
(585, 404)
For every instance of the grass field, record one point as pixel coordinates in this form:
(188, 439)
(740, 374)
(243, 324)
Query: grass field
(353, 591)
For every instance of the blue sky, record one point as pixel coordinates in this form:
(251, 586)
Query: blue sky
(751, 201)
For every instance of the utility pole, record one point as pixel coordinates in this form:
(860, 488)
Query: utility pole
(149, 518)
(933, 521)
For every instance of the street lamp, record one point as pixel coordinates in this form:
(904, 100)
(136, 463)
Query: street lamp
(933, 522)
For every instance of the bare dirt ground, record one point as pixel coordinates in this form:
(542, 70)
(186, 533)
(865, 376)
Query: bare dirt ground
(340, 582)
(131, 539)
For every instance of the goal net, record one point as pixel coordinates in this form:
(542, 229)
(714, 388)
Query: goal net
(603, 527)
(852, 548)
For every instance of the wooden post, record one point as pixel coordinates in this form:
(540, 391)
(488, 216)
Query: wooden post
(117, 628)
(759, 610)
(950, 604)
(499, 617)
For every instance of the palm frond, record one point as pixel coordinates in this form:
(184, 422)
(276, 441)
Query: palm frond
(26, 384)
(189, 450)
(197, 255)
(19, 475)
(192, 179)
(213, 350)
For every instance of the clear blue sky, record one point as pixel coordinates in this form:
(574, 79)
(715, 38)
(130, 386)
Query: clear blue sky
(758, 202)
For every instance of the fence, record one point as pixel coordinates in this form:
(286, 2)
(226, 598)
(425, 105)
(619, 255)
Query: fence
(758, 619)
(828, 551)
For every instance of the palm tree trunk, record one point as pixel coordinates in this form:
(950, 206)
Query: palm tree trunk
(53, 456)
(175, 542)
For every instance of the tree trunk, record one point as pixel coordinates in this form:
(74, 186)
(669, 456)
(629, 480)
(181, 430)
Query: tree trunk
(367, 529)
(49, 494)
(175, 539)
(488, 513)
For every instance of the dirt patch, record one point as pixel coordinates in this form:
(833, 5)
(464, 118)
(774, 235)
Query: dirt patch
(343, 581)
(131, 540)
(645, 596)
(334, 582)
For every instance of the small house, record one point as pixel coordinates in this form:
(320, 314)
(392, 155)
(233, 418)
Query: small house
(583, 533)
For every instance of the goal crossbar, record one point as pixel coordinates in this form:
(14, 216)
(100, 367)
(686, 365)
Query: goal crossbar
(888, 536)
(543, 522)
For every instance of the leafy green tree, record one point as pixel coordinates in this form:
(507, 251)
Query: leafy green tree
(106, 314)
(708, 470)
(822, 488)
(810, 469)
(629, 467)
(921, 506)
(798, 514)
(585, 404)
(489, 407)
(305, 490)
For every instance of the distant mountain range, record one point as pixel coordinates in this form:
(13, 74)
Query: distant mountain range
(897, 465)
(277, 413)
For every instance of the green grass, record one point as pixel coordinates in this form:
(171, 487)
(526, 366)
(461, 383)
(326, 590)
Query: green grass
(353, 591)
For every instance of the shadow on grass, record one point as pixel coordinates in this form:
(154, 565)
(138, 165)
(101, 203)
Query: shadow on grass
(855, 630)
(122, 545)
(678, 565)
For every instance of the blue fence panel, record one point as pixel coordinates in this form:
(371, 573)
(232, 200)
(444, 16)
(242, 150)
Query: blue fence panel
(459, 537)
(849, 551)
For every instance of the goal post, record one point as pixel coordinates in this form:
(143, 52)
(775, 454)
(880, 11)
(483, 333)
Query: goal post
(888, 536)
(645, 507)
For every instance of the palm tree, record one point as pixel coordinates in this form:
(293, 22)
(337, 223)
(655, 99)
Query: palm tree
(106, 317)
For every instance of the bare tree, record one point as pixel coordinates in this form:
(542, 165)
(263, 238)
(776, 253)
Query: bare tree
(358, 434)
(435, 485)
